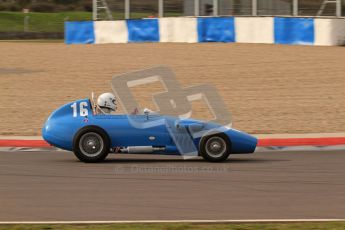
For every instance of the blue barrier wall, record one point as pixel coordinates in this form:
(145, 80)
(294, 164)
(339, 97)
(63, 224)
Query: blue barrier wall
(276, 30)
(216, 29)
(143, 30)
(79, 33)
(294, 31)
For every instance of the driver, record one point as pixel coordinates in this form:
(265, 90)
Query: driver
(106, 103)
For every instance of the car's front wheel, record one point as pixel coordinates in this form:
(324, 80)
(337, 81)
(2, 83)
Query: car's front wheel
(215, 148)
(91, 145)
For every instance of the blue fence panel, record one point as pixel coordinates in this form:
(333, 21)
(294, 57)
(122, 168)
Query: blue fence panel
(294, 31)
(143, 30)
(217, 29)
(79, 32)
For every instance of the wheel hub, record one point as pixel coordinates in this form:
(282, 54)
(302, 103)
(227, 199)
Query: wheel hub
(215, 146)
(91, 144)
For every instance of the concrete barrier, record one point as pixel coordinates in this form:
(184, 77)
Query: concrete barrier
(254, 30)
(269, 30)
(216, 29)
(111, 32)
(178, 30)
(79, 32)
(329, 32)
(294, 31)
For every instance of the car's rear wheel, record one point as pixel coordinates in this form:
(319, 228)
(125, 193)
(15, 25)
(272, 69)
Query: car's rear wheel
(215, 148)
(91, 145)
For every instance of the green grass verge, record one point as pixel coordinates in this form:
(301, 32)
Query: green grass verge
(51, 22)
(35, 41)
(39, 22)
(189, 226)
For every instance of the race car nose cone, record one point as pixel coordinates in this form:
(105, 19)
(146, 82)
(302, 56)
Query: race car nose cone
(45, 132)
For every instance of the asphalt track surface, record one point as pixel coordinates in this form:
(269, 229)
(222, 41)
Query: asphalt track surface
(54, 186)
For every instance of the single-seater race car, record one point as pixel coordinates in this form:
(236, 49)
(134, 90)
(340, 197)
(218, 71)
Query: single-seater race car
(77, 127)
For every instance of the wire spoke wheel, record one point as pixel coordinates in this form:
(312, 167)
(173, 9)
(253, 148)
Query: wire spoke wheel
(215, 146)
(91, 144)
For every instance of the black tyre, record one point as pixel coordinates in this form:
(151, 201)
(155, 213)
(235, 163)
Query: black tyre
(91, 145)
(215, 147)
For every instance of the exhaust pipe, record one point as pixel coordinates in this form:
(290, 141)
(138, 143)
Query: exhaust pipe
(141, 149)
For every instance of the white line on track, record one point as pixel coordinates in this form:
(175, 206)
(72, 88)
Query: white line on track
(172, 221)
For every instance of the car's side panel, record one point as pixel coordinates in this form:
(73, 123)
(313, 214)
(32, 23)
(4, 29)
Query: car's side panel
(132, 130)
(136, 130)
(123, 130)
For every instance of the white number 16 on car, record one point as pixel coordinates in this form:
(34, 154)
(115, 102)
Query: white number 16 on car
(82, 109)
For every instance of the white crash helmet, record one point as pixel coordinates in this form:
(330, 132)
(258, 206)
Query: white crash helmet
(107, 101)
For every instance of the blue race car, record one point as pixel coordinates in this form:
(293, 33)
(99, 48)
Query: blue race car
(77, 127)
